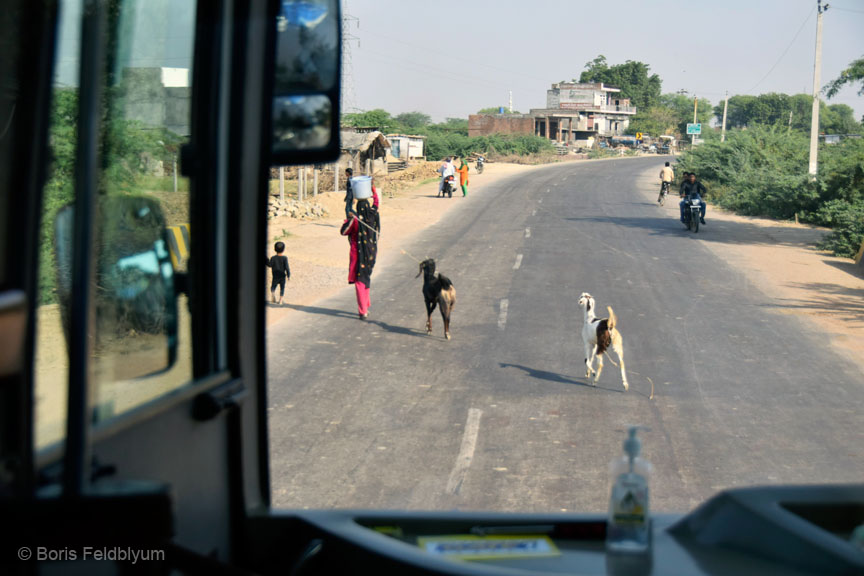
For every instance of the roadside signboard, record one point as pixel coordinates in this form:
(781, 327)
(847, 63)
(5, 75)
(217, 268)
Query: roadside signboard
(694, 128)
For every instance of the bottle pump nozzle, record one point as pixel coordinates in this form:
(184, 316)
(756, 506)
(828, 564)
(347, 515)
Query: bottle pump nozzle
(632, 444)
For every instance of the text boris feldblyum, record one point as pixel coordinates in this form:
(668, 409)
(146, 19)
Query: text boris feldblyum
(116, 554)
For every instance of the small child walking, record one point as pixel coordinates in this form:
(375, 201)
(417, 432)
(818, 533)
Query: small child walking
(281, 272)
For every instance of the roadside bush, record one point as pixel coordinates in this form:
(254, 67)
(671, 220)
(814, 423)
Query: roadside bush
(440, 144)
(847, 223)
(762, 171)
(758, 172)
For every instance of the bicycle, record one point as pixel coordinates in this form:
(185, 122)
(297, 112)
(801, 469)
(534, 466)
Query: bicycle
(664, 191)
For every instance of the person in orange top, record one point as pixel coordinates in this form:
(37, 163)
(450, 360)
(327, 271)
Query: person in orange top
(463, 177)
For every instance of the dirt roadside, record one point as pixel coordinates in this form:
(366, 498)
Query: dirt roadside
(781, 259)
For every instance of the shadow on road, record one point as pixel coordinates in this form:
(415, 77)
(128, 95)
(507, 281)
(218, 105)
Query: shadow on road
(554, 377)
(324, 311)
(836, 301)
(398, 329)
(353, 316)
(848, 267)
(726, 232)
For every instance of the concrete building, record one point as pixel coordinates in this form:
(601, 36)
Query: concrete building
(485, 124)
(580, 111)
(158, 97)
(573, 112)
(407, 147)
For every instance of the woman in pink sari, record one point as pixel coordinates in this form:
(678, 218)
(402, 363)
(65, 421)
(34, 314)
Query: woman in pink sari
(362, 229)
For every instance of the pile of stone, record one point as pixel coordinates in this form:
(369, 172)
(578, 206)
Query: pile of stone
(294, 209)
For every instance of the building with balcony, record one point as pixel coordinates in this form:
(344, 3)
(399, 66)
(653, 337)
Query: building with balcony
(573, 112)
(580, 111)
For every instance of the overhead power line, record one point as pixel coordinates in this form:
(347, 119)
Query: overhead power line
(809, 15)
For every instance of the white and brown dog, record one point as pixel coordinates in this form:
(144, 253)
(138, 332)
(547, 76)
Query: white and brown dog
(599, 334)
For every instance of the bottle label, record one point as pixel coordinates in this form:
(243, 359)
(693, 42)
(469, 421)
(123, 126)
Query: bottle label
(630, 501)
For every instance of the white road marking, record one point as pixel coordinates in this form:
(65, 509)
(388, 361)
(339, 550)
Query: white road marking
(502, 314)
(518, 262)
(466, 452)
(534, 212)
(527, 232)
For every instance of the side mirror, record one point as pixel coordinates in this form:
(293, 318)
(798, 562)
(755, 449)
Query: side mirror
(306, 81)
(134, 297)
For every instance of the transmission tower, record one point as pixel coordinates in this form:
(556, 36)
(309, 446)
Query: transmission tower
(348, 97)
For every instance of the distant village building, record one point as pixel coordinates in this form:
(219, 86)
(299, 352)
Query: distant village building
(407, 147)
(484, 124)
(579, 111)
(366, 152)
(573, 111)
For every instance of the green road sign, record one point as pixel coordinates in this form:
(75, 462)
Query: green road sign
(694, 128)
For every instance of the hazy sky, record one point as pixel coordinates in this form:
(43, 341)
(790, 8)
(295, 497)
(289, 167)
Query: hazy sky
(450, 58)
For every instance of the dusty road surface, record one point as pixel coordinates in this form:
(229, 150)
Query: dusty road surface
(754, 381)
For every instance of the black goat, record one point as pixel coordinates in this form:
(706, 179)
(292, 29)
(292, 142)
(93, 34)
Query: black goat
(437, 291)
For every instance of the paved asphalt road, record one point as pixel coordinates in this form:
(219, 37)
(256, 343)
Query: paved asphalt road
(380, 415)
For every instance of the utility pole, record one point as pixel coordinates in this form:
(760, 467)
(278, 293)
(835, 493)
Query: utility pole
(725, 108)
(511, 101)
(348, 103)
(695, 106)
(817, 65)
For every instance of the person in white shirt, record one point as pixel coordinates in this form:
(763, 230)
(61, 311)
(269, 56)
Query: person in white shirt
(446, 169)
(667, 175)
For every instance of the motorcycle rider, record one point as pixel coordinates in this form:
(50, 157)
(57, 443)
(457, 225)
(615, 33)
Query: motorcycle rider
(446, 169)
(690, 188)
(667, 175)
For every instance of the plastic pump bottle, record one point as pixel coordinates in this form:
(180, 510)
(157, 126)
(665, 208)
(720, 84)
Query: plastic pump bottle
(629, 525)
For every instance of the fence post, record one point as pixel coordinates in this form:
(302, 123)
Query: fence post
(315, 182)
(301, 182)
(174, 163)
(368, 166)
(281, 183)
(336, 177)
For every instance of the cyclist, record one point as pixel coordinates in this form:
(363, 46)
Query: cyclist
(667, 175)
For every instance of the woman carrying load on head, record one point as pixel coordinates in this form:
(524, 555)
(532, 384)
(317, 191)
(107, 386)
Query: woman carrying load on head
(362, 228)
(463, 177)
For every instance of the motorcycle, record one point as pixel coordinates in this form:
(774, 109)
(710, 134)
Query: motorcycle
(692, 212)
(480, 162)
(449, 186)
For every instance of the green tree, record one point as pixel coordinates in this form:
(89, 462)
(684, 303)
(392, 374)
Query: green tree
(454, 125)
(793, 112)
(377, 118)
(413, 120)
(631, 77)
(681, 106)
(838, 119)
(656, 121)
(495, 110)
(854, 73)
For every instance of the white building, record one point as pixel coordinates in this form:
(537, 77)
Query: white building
(579, 111)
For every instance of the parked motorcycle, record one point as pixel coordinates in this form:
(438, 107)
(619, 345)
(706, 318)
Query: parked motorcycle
(692, 212)
(480, 162)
